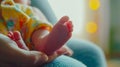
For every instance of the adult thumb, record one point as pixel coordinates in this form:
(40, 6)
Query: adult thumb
(33, 58)
(38, 57)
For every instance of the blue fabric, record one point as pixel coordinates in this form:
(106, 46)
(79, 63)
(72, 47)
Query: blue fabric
(65, 61)
(88, 53)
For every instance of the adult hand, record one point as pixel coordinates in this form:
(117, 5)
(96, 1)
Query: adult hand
(11, 55)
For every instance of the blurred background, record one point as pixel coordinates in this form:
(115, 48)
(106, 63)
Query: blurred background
(94, 20)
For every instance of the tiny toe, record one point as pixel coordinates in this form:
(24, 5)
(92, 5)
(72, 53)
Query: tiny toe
(69, 26)
(10, 35)
(63, 19)
(17, 35)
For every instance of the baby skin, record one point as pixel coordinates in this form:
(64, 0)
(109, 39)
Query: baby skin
(45, 41)
(49, 42)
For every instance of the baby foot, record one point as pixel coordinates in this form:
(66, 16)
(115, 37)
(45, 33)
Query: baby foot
(59, 35)
(18, 39)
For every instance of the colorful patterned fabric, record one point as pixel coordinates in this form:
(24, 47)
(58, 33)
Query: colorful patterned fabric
(21, 18)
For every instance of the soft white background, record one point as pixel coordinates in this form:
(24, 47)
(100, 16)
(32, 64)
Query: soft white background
(75, 9)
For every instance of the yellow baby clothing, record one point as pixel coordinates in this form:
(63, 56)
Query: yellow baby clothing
(21, 18)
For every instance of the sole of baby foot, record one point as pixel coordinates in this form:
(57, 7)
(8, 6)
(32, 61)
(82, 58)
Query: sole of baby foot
(59, 35)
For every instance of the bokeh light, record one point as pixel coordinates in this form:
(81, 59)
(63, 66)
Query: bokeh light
(94, 4)
(91, 27)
